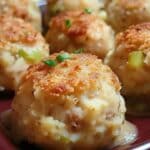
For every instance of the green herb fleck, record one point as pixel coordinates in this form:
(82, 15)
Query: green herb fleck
(78, 51)
(63, 57)
(64, 139)
(50, 63)
(33, 56)
(68, 23)
(136, 59)
(36, 56)
(22, 53)
(88, 10)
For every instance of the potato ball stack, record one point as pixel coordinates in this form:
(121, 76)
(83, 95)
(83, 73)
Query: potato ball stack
(20, 46)
(80, 30)
(123, 13)
(69, 101)
(24, 9)
(131, 61)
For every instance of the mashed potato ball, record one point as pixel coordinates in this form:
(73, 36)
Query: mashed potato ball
(69, 101)
(55, 6)
(20, 46)
(123, 13)
(131, 59)
(25, 9)
(76, 30)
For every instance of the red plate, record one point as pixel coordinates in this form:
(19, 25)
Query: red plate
(142, 142)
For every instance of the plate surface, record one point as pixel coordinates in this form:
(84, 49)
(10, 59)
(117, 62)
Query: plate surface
(142, 142)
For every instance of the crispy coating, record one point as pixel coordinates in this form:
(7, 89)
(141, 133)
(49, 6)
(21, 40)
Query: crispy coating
(123, 13)
(85, 31)
(24, 9)
(62, 81)
(17, 37)
(136, 81)
(15, 30)
(57, 107)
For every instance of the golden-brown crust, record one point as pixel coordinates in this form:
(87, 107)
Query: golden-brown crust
(24, 9)
(16, 30)
(123, 13)
(12, 9)
(135, 80)
(136, 37)
(130, 4)
(80, 22)
(82, 30)
(74, 75)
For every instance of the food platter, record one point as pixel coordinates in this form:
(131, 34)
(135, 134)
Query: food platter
(142, 142)
(139, 119)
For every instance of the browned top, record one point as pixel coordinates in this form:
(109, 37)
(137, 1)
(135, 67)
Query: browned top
(16, 30)
(80, 22)
(17, 8)
(136, 37)
(79, 73)
(130, 4)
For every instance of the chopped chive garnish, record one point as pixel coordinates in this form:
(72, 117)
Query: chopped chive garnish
(136, 59)
(36, 56)
(22, 53)
(33, 56)
(78, 51)
(63, 57)
(50, 63)
(88, 10)
(68, 23)
(64, 139)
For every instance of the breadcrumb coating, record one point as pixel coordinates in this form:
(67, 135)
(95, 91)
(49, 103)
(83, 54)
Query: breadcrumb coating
(15, 30)
(20, 46)
(123, 13)
(73, 105)
(25, 9)
(136, 38)
(66, 81)
(86, 31)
